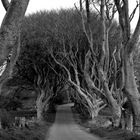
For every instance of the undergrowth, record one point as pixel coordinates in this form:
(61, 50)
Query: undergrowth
(34, 131)
(95, 127)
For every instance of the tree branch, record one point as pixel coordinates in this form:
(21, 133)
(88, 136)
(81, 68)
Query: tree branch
(133, 42)
(133, 13)
(6, 4)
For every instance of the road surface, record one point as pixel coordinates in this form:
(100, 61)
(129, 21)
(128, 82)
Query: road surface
(64, 127)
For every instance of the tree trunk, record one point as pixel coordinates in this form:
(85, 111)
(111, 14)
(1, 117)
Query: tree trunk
(127, 120)
(132, 91)
(91, 108)
(9, 35)
(40, 106)
(129, 123)
(6, 4)
(115, 107)
(10, 28)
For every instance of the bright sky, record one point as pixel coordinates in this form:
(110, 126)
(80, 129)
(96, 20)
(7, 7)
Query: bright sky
(37, 5)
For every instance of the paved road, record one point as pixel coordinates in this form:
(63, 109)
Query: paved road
(65, 128)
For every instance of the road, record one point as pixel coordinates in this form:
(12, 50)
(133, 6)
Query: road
(64, 127)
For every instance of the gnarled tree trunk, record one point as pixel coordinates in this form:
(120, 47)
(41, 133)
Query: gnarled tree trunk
(9, 35)
(115, 107)
(103, 68)
(130, 43)
(132, 91)
(42, 105)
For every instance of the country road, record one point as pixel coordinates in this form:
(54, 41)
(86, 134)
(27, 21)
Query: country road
(64, 127)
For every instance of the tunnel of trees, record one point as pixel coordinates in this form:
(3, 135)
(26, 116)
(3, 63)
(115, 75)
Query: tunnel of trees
(84, 49)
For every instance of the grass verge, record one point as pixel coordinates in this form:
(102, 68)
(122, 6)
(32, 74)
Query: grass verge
(35, 131)
(108, 133)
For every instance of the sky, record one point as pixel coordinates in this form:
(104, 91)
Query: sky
(37, 5)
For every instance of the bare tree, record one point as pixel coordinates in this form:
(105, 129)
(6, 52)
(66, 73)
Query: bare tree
(129, 44)
(47, 86)
(68, 60)
(100, 72)
(10, 35)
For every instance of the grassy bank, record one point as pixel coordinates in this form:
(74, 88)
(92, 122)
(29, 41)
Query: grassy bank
(34, 131)
(97, 127)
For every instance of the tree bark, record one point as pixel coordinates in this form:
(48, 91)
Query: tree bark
(130, 43)
(42, 104)
(127, 120)
(9, 32)
(40, 109)
(103, 71)
(9, 35)
(5, 4)
(132, 91)
(115, 107)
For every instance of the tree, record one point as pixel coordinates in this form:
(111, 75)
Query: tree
(123, 61)
(10, 35)
(98, 64)
(70, 55)
(90, 73)
(59, 37)
(129, 44)
(34, 68)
